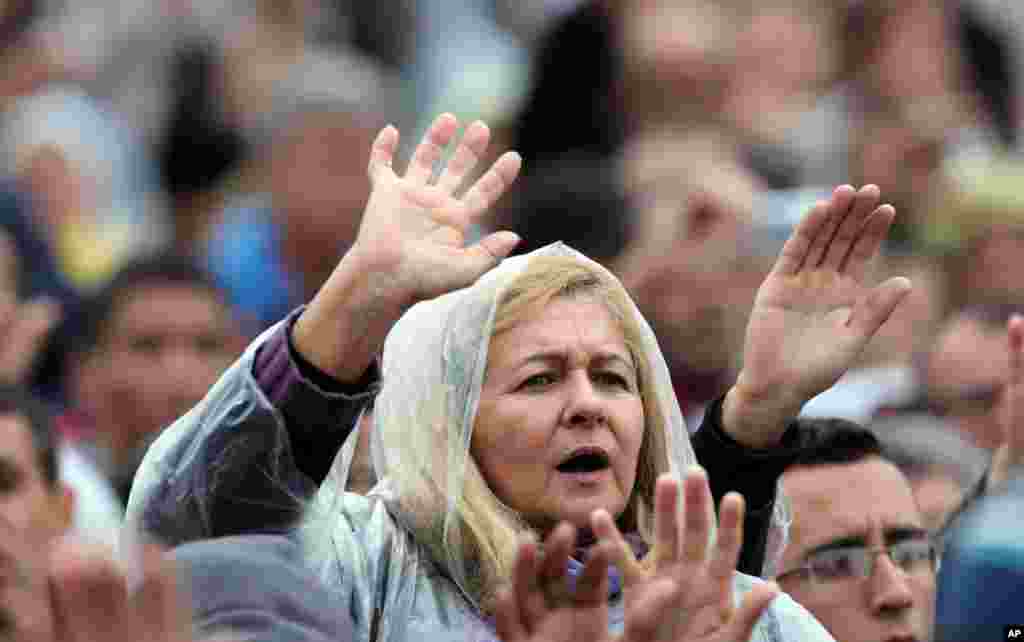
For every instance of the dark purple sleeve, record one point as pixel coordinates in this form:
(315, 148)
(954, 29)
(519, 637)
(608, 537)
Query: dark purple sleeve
(319, 412)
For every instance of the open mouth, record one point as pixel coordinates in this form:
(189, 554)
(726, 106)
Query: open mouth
(584, 460)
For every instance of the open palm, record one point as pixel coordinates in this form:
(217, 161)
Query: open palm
(815, 311)
(415, 227)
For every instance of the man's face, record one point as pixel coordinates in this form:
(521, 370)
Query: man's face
(868, 503)
(966, 372)
(166, 344)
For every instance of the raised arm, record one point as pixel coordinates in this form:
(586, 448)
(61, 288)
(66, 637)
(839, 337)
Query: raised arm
(230, 465)
(813, 315)
(410, 246)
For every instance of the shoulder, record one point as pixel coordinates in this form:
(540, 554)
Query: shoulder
(258, 588)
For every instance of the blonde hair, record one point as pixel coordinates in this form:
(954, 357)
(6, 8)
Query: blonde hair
(489, 529)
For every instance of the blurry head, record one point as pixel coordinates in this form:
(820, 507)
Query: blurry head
(579, 201)
(966, 369)
(688, 265)
(157, 337)
(859, 556)
(323, 117)
(939, 463)
(33, 501)
(983, 570)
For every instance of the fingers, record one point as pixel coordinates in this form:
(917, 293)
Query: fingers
(620, 551)
(382, 153)
(526, 592)
(667, 536)
(850, 227)
(25, 337)
(875, 229)
(158, 611)
(592, 585)
(495, 182)
(729, 539)
(430, 149)
(89, 590)
(794, 253)
(554, 564)
(466, 156)
(697, 517)
(838, 207)
(871, 312)
(507, 619)
(741, 627)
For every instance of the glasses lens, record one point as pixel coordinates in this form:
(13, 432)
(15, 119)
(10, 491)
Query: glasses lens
(838, 564)
(913, 555)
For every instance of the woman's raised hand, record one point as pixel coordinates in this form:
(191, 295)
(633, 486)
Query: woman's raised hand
(680, 592)
(415, 227)
(813, 314)
(411, 245)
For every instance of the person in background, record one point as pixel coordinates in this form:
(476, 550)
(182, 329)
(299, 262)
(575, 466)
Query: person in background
(941, 466)
(273, 244)
(158, 336)
(982, 573)
(860, 557)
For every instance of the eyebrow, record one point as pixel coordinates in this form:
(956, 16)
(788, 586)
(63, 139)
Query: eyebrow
(548, 356)
(892, 536)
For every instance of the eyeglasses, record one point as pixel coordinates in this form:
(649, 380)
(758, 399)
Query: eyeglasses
(830, 566)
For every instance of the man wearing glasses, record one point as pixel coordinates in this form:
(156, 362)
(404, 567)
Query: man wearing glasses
(858, 557)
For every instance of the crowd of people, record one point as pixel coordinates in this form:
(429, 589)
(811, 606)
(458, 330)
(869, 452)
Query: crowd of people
(534, 321)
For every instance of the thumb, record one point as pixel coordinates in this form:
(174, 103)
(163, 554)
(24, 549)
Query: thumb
(487, 253)
(754, 605)
(875, 309)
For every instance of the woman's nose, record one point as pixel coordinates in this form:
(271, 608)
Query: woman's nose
(584, 405)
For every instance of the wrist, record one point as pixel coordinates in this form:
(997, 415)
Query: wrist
(343, 328)
(757, 420)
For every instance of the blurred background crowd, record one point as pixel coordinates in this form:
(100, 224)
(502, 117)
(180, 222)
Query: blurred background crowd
(176, 176)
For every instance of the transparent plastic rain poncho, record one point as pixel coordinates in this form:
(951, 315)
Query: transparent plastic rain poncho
(433, 369)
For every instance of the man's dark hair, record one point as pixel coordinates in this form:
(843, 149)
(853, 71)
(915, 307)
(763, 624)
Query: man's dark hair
(578, 200)
(162, 269)
(835, 441)
(41, 425)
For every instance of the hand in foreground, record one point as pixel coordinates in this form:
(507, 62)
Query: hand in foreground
(411, 245)
(93, 602)
(692, 578)
(23, 331)
(813, 314)
(1008, 460)
(677, 594)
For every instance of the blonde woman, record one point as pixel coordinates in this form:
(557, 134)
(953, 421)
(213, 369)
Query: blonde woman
(512, 400)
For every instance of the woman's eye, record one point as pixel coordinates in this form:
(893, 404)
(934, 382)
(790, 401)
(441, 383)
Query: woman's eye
(538, 381)
(612, 379)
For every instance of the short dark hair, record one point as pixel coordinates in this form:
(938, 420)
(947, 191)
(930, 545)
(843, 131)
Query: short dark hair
(154, 270)
(41, 424)
(828, 441)
(578, 200)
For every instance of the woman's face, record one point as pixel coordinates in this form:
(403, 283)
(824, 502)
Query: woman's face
(560, 421)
